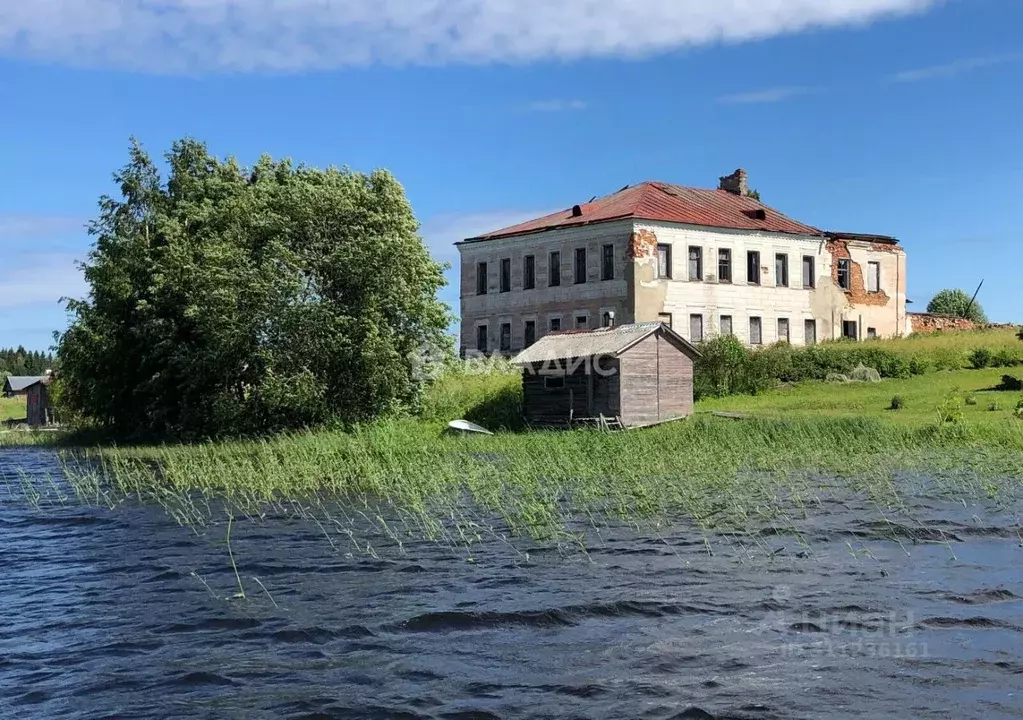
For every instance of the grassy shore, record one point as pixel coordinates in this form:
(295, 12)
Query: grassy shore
(12, 408)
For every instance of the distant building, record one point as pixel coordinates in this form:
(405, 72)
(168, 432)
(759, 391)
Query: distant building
(704, 262)
(638, 374)
(36, 391)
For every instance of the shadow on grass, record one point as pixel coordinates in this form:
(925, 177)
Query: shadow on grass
(500, 411)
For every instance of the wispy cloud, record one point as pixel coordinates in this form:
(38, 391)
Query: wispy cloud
(40, 279)
(553, 106)
(764, 97)
(954, 68)
(291, 35)
(21, 228)
(441, 232)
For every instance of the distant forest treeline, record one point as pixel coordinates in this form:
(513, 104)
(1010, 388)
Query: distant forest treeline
(19, 361)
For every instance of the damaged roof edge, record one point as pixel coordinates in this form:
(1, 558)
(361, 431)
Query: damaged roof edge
(866, 237)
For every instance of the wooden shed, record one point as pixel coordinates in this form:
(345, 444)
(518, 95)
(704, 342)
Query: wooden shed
(639, 374)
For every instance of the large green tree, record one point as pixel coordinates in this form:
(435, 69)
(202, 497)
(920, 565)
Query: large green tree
(957, 303)
(231, 300)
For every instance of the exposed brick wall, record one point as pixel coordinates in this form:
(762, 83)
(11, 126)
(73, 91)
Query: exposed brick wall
(925, 323)
(857, 291)
(643, 244)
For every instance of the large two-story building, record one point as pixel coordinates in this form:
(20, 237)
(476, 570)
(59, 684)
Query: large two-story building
(705, 262)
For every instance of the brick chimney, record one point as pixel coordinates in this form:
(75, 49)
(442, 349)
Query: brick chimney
(736, 183)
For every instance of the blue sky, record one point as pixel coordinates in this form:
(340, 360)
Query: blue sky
(899, 117)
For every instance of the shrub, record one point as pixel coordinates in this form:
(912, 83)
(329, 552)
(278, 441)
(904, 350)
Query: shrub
(1018, 412)
(994, 406)
(722, 368)
(1006, 358)
(947, 358)
(862, 373)
(950, 411)
(1010, 384)
(981, 358)
(837, 378)
(919, 366)
(897, 403)
(970, 399)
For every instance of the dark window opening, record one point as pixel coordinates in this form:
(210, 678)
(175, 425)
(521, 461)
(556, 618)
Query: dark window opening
(482, 339)
(581, 322)
(554, 382)
(607, 263)
(529, 333)
(505, 337)
(580, 266)
(725, 266)
(696, 263)
(528, 272)
(781, 270)
(871, 333)
(555, 324)
(756, 336)
(664, 262)
(810, 332)
(809, 272)
(849, 330)
(605, 320)
(506, 275)
(481, 278)
(554, 269)
(845, 274)
(783, 330)
(753, 268)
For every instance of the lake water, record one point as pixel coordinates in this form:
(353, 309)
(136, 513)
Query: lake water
(124, 613)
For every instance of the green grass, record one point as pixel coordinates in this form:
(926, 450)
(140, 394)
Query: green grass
(922, 395)
(12, 408)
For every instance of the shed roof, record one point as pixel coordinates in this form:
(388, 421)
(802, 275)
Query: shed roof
(659, 201)
(17, 383)
(593, 343)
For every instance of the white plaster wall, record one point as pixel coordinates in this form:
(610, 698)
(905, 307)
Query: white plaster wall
(542, 303)
(888, 320)
(739, 299)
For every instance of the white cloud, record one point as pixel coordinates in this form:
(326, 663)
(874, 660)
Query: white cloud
(39, 227)
(556, 105)
(40, 279)
(954, 68)
(291, 35)
(441, 232)
(763, 97)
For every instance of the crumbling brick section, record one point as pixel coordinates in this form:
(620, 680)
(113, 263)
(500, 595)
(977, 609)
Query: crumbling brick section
(925, 323)
(857, 292)
(643, 244)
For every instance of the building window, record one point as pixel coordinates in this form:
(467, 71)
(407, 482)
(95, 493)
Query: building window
(726, 324)
(580, 266)
(873, 277)
(555, 325)
(664, 262)
(849, 330)
(529, 333)
(554, 382)
(505, 337)
(607, 262)
(554, 269)
(605, 320)
(696, 263)
(665, 319)
(783, 330)
(506, 275)
(756, 335)
(696, 328)
(845, 274)
(581, 322)
(781, 270)
(809, 272)
(482, 339)
(725, 266)
(528, 272)
(871, 333)
(481, 278)
(753, 268)
(810, 332)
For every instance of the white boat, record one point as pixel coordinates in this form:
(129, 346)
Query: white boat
(464, 426)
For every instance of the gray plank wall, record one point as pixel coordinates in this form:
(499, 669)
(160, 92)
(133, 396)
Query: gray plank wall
(639, 385)
(675, 385)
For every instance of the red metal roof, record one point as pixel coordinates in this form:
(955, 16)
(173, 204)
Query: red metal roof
(667, 203)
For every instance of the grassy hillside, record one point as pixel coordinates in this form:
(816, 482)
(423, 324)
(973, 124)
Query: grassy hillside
(12, 408)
